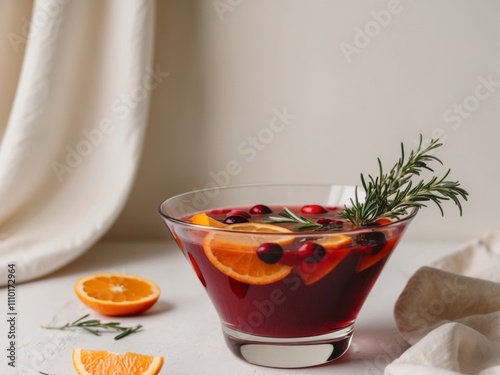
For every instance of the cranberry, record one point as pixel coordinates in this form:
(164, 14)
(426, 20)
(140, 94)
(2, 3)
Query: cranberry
(330, 223)
(270, 252)
(235, 219)
(373, 242)
(325, 221)
(311, 252)
(260, 209)
(238, 213)
(313, 209)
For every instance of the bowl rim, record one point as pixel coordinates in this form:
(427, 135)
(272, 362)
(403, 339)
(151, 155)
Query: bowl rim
(407, 218)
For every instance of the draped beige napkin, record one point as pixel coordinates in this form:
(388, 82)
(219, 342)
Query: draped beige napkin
(450, 313)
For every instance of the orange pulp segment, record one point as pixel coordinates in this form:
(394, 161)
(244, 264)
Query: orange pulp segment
(235, 255)
(101, 362)
(117, 294)
(336, 250)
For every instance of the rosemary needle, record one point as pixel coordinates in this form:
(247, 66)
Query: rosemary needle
(93, 326)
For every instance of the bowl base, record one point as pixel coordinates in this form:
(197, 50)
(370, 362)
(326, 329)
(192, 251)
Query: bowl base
(288, 352)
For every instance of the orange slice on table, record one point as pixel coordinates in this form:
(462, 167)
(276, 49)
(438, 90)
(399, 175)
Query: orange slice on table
(235, 255)
(101, 362)
(337, 248)
(116, 294)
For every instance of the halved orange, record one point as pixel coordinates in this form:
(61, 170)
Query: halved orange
(235, 255)
(116, 294)
(336, 250)
(101, 362)
(203, 219)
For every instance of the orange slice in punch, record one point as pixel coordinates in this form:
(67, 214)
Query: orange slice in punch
(116, 294)
(370, 260)
(235, 255)
(101, 362)
(204, 219)
(337, 248)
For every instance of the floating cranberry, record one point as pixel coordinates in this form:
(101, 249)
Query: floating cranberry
(260, 209)
(313, 209)
(238, 213)
(235, 219)
(311, 252)
(373, 242)
(270, 252)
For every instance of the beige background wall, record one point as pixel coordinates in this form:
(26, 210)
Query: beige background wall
(355, 97)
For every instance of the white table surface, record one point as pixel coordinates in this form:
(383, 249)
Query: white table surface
(183, 327)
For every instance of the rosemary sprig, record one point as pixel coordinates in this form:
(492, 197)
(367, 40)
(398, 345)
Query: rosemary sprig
(93, 325)
(392, 194)
(289, 217)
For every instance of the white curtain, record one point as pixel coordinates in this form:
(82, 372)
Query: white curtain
(75, 78)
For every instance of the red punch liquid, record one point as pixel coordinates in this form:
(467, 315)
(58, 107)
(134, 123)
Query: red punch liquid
(321, 294)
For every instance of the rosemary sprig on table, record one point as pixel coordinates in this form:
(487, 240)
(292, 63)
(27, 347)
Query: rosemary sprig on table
(93, 325)
(304, 224)
(392, 194)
